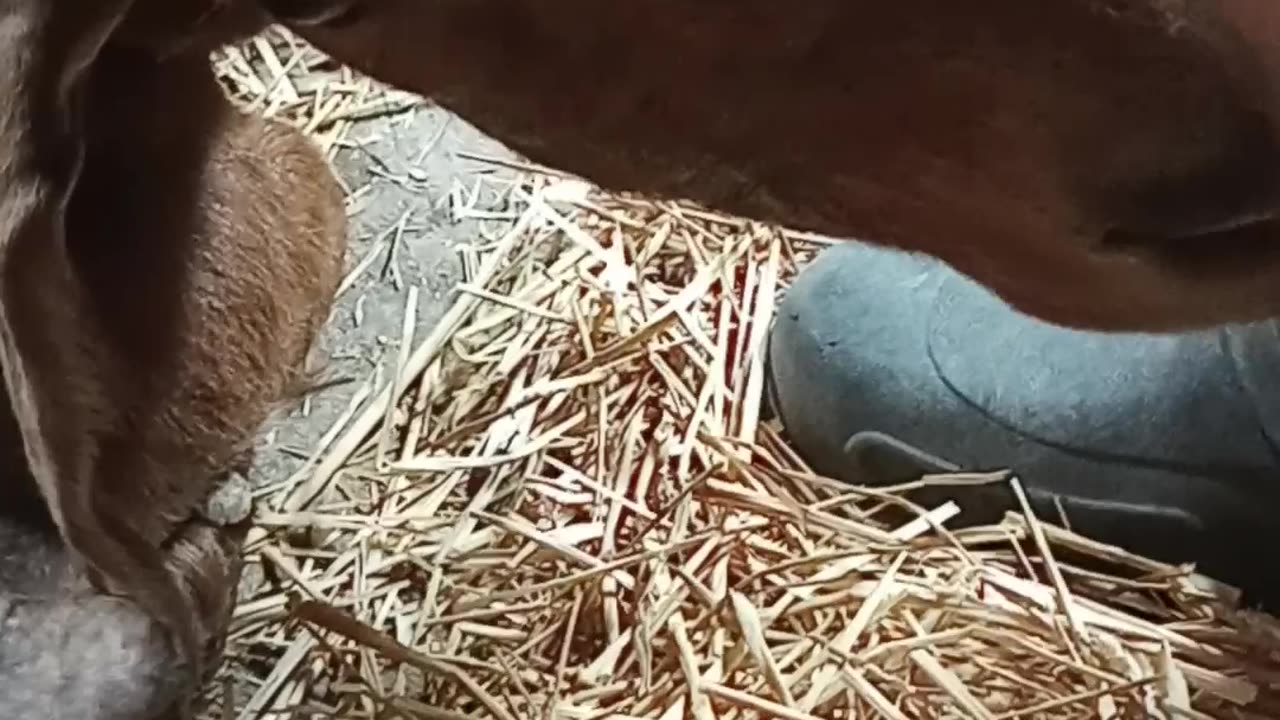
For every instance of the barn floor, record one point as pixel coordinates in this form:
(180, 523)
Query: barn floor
(922, 628)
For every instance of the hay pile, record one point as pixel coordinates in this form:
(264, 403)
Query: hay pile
(567, 505)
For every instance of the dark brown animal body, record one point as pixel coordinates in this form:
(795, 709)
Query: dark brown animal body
(147, 343)
(1101, 163)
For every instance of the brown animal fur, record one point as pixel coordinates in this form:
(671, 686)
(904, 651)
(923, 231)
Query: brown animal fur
(231, 234)
(45, 49)
(202, 250)
(1112, 164)
(1100, 163)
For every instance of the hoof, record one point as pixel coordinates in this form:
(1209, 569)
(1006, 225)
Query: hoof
(231, 502)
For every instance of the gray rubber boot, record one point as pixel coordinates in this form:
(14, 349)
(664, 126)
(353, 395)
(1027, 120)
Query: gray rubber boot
(886, 365)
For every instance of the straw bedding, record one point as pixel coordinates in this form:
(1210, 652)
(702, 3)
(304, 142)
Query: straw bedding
(568, 503)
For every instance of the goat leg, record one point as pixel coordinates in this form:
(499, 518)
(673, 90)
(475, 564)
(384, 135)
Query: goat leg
(55, 375)
(231, 500)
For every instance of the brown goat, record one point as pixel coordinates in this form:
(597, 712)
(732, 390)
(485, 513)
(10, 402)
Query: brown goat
(1112, 164)
(145, 345)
